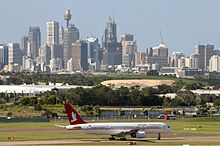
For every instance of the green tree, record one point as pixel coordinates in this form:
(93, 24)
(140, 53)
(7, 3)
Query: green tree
(163, 89)
(136, 95)
(33, 101)
(187, 98)
(167, 102)
(25, 101)
(122, 97)
(147, 91)
(216, 103)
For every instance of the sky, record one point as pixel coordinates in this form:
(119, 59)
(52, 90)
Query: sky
(183, 23)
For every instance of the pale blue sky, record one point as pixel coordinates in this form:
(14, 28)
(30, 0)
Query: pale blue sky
(184, 23)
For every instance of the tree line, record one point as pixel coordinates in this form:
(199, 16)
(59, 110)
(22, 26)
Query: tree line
(85, 79)
(106, 96)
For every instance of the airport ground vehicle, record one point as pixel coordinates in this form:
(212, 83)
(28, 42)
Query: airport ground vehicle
(167, 116)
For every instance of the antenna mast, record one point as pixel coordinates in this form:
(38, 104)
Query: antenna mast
(161, 37)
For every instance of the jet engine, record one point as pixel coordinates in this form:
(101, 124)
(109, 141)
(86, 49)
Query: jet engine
(139, 134)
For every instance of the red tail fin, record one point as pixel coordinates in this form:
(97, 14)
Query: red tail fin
(73, 116)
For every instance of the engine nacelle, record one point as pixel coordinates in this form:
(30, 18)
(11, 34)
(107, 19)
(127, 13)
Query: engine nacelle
(139, 134)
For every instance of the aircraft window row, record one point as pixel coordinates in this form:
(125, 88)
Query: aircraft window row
(99, 127)
(125, 127)
(129, 127)
(153, 127)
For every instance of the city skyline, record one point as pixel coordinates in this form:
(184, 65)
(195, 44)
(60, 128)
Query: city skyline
(182, 28)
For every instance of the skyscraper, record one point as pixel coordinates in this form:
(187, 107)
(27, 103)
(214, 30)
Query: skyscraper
(14, 53)
(140, 58)
(71, 34)
(129, 48)
(160, 50)
(52, 33)
(204, 53)
(159, 56)
(80, 55)
(214, 63)
(61, 35)
(181, 62)
(44, 54)
(55, 64)
(94, 52)
(174, 58)
(24, 44)
(112, 49)
(110, 32)
(34, 40)
(3, 55)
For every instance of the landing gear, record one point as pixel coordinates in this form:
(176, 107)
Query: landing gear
(112, 137)
(123, 138)
(159, 136)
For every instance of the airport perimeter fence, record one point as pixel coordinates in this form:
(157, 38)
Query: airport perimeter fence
(24, 119)
(117, 118)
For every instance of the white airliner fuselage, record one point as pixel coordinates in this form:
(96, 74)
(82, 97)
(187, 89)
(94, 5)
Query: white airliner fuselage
(112, 128)
(119, 129)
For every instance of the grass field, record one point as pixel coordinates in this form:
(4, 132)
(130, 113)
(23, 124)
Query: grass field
(142, 76)
(47, 131)
(199, 125)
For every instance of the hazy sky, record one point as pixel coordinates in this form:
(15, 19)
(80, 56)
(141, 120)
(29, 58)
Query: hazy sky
(184, 23)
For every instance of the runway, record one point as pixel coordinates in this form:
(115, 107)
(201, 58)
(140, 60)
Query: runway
(175, 139)
(167, 139)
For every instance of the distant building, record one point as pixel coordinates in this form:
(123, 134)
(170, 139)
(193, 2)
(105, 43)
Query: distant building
(181, 63)
(190, 73)
(94, 52)
(174, 58)
(70, 36)
(34, 42)
(80, 56)
(129, 48)
(112, 49)
(140, 58)
(3, 55)
(160, 50)
(195, 62)
(12, 67)
(70, 65)
(217, 52)
(159, 56)
(14, 54)
(190, 62)
(204, 53)
(55, 65)
(44, 54)
(28, 64)
(168, 71)
(52, 33)
(61, 35)
(24, 45)
(214, 64)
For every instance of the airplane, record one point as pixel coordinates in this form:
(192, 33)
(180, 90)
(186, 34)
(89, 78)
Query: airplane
(117, 129)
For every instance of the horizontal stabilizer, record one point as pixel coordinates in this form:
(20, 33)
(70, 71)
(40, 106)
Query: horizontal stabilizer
(61, 126)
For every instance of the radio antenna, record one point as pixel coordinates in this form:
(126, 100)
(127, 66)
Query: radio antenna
(161, 37)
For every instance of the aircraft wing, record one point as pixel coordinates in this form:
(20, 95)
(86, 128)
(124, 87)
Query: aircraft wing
(127, 132)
